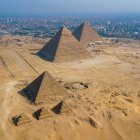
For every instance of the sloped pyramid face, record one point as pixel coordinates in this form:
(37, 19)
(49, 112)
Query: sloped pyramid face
(86, 34)
(62, 107)
(42, 113)
(44, 89)
(63, 47)
(21, 119)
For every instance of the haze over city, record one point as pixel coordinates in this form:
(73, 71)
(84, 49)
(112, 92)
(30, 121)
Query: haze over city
(67, 7)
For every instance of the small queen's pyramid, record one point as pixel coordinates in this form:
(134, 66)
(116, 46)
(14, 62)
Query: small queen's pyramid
(21, 119)
(62, 107)
(42, 113)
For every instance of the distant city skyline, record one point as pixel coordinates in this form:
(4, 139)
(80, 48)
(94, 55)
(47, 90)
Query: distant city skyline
(67, 7)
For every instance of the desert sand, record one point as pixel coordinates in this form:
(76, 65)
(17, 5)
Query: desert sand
(103, 93)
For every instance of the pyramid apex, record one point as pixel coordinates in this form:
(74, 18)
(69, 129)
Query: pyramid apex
(64, 31)
(86, 23)
(45, 72)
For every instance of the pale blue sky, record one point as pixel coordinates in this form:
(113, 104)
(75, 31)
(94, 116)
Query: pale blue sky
(45, 7)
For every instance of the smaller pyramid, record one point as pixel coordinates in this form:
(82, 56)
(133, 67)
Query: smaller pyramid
(21, 119)
(62, 107)
(63, 47)
(86, 34)
(42, 113)
(44, 89)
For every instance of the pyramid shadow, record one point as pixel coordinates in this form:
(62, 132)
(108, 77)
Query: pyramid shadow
(44, 57)
(25, 94)
(48, 52)
(30, 92)
(42, 113)
(35, 115)
(63, 107)
(57, 108)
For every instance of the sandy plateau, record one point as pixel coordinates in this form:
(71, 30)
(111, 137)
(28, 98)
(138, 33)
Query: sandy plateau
(103, 92)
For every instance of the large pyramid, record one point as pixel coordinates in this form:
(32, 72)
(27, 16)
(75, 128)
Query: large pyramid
(63, 47)
(44, 89)
(86, 34)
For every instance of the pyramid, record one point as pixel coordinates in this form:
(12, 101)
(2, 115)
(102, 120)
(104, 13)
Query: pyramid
(86, 34)
(63, 47)
(42, 113)
(21, 119)
(44, 89)
(62, 107)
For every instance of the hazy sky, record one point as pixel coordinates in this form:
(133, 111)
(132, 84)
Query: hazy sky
(48, 7)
